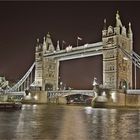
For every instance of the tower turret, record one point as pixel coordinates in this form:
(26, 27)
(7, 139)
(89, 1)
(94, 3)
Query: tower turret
(58, 47)
(118, 20)
(117, 29)
(117, 72)
(37, 44)
(130, 33)
(49, 44)
(104, 31)
(123, 31)
(44, 45)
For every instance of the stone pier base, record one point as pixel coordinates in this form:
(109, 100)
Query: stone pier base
(39, 97)
(118, 99)
(125, 100)
(58, 100)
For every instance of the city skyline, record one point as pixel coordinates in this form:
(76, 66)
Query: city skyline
(23, 22)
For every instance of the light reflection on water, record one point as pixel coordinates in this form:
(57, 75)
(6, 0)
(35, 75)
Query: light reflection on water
(56, 122)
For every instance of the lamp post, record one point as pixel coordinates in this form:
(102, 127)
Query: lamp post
(95, 86)
(135, 75)
(61, 83)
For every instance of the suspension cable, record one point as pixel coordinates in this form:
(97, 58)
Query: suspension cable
(134, 57)
(22, 80)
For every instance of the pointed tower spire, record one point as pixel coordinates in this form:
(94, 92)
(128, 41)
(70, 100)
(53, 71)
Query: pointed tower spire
(130, 34)
(129, 29)
(118, 20)
(104, 24)
(44, 45)
(48, 35)
(104, 31)
(49, 44)
(37, 44)
(37, 40)
(58, 46)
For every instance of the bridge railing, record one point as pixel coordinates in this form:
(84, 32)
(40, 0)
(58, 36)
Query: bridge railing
(64, 93)
(134, 92)
(134, 57)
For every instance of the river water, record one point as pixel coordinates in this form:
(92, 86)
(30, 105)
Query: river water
(58, 122)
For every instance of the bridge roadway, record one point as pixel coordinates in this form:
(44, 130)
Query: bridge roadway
(57, 93)
(77, 52)
(69, 92)
(16, 93)
(64, 93)
(133, 91)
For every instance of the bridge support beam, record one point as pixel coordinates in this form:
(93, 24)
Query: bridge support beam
(62, 100)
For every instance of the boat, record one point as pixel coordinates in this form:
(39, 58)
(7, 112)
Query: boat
(10, 105)
(7, 102)
(99, 102)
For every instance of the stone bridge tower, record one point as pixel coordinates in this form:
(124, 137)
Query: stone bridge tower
(47, 69)
(117, 69)
(38, 65)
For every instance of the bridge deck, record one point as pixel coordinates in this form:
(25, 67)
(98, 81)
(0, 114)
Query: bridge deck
(70, 92)
(77, 52)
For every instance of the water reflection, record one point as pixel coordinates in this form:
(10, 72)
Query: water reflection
(56, 122)
(114, 124)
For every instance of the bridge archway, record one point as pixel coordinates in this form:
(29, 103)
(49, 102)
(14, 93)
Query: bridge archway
(48, 87)
(123, 84)
(79, 98)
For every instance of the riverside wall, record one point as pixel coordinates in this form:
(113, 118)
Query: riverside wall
(41, 97)
(125, 100)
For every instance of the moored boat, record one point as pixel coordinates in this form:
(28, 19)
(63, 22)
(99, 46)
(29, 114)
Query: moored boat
(10, 105)
(7, 102)
(99, 102)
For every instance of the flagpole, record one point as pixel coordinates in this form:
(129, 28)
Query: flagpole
(62, 45)
(63, 42)
(77, 41)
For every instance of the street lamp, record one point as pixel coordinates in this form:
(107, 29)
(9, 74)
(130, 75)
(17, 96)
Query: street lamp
(94, 81)
(95, 86)
(135, 75)
(61, 83)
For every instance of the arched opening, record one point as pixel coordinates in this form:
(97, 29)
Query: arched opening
(123, 84)
(48, 87)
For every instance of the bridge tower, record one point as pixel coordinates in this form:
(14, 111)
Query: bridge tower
(38, 65)
(47, 69)
(50, 66)
(117, 69)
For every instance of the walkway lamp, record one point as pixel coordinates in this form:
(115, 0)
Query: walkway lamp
(95, 84)
(61, 83)
(135, 74)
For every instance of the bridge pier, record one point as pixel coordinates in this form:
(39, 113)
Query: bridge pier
(118, 99)
(62, 100)
(39, 97)
(42, 97)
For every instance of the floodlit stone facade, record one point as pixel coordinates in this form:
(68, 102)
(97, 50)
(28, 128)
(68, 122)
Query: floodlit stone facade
(46, 69)
(117, 69)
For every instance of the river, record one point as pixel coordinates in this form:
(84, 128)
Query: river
(62, 122)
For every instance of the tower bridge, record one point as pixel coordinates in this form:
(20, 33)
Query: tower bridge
(117, 72)
(115, 47)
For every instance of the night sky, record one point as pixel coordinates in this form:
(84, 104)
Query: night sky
(21, 23)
